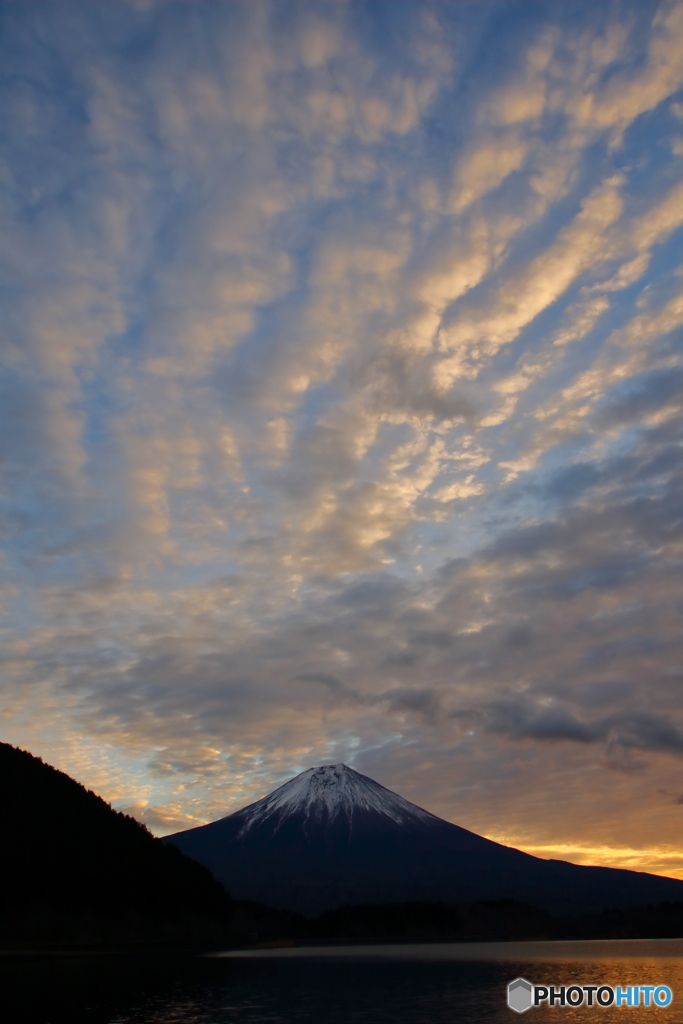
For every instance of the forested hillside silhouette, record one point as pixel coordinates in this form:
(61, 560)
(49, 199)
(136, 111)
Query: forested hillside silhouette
(73, 868)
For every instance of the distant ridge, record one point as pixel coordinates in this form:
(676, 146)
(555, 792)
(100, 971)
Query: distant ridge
(332, 836)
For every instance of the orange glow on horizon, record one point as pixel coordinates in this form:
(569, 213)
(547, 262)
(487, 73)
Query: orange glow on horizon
(656, 860)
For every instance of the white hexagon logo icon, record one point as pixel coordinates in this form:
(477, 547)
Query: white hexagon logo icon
(520, 995)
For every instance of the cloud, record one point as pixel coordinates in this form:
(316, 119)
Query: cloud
(648, 393)
(424, 702)
(636, 730)
(486, 167)
(624, 96)
(539, 284)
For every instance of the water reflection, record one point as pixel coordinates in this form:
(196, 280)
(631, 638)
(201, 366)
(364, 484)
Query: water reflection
(441, 984)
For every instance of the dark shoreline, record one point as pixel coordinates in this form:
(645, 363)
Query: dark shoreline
(253, 927)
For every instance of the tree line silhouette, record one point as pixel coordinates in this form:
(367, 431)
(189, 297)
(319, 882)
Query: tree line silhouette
(70, 865)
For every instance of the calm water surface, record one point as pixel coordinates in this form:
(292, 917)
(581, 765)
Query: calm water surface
(421, 984)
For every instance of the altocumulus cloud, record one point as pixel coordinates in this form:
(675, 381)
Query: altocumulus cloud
(341, 409)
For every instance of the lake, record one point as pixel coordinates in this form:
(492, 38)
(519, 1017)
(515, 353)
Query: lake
(409, 984)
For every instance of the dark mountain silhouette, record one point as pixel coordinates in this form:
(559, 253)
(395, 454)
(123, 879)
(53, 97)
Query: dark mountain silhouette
(72, 868)
(331, 837)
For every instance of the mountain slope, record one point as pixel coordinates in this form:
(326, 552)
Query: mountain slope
(71, 865)
(331, 836)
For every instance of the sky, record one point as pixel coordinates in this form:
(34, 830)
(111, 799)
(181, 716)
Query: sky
(341, 407)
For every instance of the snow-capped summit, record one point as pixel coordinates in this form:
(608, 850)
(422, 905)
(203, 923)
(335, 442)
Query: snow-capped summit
(332, 836)
(332, 790)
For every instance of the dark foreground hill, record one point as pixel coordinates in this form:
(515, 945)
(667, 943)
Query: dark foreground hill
(332, 837)
(74, 870)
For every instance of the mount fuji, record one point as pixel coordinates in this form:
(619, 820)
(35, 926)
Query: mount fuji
(331, 836)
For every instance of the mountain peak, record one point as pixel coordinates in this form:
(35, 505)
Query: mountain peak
(327, 792)
(331, 836)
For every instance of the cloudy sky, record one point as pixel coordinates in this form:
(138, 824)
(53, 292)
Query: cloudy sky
(341, 407)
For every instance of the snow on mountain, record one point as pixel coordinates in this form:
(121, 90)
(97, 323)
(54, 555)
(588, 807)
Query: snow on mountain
(325, 793)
